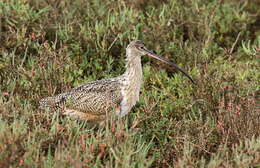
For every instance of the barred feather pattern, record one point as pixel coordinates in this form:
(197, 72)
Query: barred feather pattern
(94, 98)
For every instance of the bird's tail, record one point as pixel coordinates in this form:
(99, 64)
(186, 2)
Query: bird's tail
(46, 102)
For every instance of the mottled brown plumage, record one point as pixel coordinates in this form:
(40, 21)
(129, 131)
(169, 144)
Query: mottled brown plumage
(97, 100)
(93, 100)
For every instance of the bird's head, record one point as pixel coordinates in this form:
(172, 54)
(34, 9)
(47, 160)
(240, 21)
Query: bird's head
(136, 48)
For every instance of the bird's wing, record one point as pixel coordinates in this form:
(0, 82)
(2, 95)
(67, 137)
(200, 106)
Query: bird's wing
(96, 97)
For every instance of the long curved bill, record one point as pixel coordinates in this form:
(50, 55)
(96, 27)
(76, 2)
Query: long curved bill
(151, 54)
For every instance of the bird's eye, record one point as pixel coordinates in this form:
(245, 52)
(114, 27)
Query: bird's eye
(142, 47)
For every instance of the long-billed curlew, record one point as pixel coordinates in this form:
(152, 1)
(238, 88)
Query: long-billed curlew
(97, 100)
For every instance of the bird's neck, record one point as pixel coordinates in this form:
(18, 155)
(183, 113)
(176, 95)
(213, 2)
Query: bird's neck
(133, 73)
(132, 80)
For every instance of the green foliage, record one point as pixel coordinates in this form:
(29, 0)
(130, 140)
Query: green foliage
(48, 47)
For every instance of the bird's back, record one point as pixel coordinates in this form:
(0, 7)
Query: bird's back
(94, 98)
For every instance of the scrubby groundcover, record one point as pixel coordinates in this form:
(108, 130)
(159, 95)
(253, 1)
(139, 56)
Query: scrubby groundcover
(48, 47)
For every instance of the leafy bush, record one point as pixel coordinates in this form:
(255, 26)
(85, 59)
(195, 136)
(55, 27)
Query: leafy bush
(48, 47)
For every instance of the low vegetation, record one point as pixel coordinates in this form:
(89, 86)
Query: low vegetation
(48, 47)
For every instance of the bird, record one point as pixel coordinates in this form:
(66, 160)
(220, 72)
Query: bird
(97, 100)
